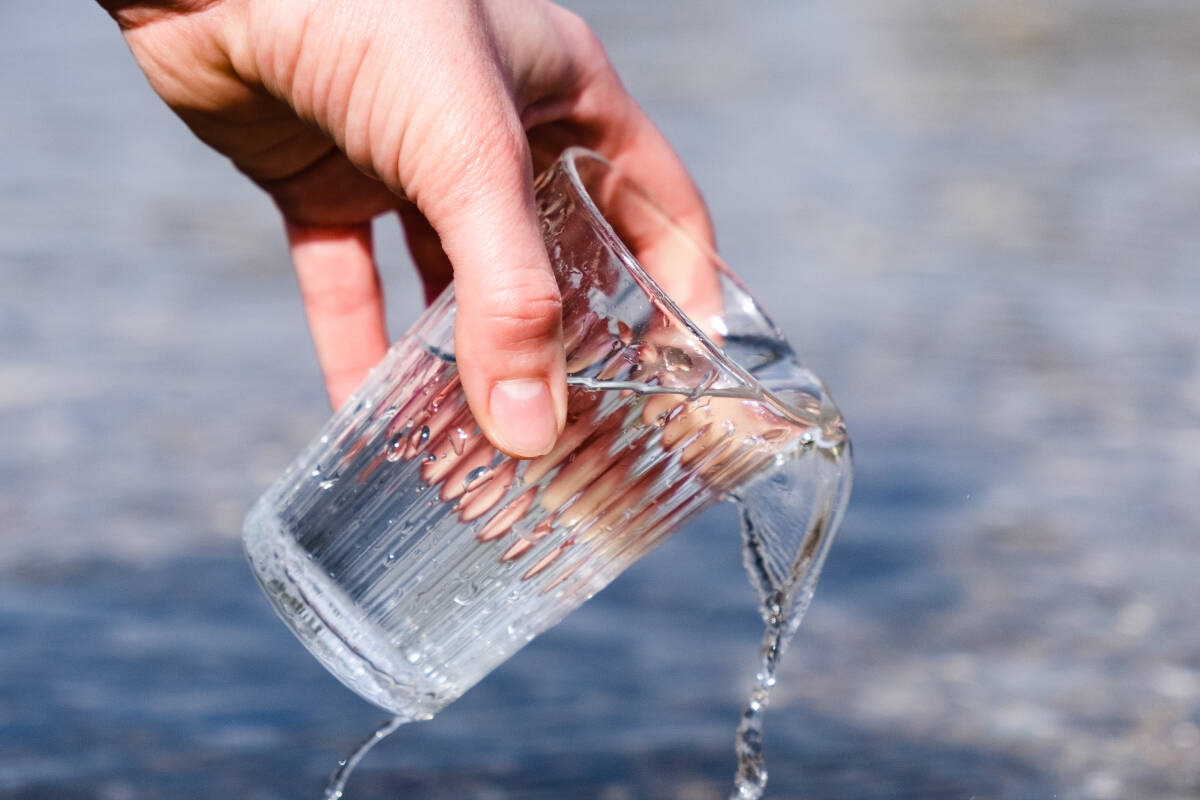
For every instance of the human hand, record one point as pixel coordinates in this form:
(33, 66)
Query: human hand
(439, 110)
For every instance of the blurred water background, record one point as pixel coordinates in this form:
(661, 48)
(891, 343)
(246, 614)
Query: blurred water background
(979, 220)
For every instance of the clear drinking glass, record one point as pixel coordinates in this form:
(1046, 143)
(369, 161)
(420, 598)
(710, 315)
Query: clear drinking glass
(411, 557)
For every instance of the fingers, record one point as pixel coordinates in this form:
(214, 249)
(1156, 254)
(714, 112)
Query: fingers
(685, 266)
(587, 94)
(600, 114)
(342, 300)
(642, 152)
(508, 329)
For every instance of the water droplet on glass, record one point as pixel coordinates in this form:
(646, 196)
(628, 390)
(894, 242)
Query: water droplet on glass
(420, 437)
(430, 458)
(395, 448)
(316, 472)
(476, 477)
(328, 483)
(458, 440)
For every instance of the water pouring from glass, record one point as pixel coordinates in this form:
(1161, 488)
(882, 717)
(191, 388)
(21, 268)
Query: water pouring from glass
(411, 557)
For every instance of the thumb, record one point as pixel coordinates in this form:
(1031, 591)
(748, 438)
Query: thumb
(508, 329)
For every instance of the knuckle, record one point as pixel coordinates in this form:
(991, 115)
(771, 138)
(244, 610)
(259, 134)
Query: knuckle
(578, 33)
(584, 45)
(523, 315)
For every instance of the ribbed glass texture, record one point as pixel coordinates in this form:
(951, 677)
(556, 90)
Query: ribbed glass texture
(412, 558)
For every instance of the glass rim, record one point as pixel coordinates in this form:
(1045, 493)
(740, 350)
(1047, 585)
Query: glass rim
(603, 228)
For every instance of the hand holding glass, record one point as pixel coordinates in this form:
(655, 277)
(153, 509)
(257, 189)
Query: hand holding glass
(411, 557)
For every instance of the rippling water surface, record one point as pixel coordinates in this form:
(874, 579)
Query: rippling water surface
(976, 220)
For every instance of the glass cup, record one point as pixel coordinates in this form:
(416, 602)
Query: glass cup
(411, 557)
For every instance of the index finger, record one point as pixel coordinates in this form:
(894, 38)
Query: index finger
(339, 284)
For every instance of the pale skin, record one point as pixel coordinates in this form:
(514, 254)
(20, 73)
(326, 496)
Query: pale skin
(439, 111)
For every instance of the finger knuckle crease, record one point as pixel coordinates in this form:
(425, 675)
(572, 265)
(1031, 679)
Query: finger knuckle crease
(537, 314)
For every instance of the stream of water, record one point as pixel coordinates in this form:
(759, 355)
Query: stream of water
(785, 589)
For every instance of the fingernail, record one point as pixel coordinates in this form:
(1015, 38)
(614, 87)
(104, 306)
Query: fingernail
(524, 415)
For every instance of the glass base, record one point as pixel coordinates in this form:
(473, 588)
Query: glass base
(326, 621)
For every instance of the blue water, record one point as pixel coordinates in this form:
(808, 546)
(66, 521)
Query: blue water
(976, 220)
